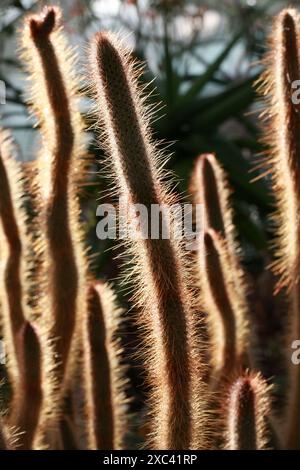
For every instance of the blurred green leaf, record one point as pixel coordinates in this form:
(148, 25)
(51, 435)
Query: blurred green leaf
(208, 75)
(226, 105)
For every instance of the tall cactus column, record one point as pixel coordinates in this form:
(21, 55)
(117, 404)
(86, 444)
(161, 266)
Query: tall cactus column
(162, 295)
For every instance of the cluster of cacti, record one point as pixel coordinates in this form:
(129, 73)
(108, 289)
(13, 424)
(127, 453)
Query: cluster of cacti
(61, 327)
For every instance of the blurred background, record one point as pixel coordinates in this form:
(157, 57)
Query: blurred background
(205, 57)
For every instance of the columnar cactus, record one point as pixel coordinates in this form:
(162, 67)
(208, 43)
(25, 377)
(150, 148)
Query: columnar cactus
(162, 290)
(12, 252)
(68, 331)
(246, 416)
(63, 272)
(221, 278)
(103, 372)
(21, 340)
(217, 302)
(283, 163)
(25, 418)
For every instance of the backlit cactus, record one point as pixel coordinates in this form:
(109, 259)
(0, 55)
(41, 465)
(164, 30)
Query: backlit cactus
(221, 279)
(283, 164)
(63, 329)
(162, 291)
(63, 265)
(247, 412)
(103, 373)
(12, 253)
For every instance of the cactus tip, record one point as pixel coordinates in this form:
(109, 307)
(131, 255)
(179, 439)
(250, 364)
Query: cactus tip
(43, 25)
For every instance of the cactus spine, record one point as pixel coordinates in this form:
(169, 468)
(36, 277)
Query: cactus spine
(12, 300)
(106, 406)
(283, 162)
(73, 315)
(21, 339)
(221, 318)
(50, 63)
(248, 407)
(176, 385)
(225, 300)
(25, 417)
